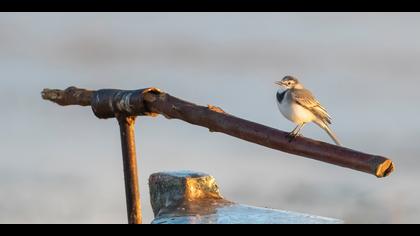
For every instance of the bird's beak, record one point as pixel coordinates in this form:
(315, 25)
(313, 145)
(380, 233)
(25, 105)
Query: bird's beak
(278, 83)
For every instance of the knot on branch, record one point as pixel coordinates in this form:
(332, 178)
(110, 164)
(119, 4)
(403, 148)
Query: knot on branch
(215, 109)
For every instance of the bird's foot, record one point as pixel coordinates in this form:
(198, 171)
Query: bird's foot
(291, 136)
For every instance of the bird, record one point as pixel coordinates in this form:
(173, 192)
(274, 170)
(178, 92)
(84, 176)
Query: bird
(299, 105)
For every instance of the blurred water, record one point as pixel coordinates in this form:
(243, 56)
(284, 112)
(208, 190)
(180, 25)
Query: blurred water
(62, 165)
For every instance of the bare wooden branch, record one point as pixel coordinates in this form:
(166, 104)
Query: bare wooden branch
(154, 101)
(70, 96)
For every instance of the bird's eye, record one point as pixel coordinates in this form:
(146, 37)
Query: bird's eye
(288, 83)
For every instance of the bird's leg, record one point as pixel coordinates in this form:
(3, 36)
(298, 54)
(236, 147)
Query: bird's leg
(292, 132)
(295, 132)
(300, 127)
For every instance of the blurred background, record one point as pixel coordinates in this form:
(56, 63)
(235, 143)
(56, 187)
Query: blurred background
(63, 165)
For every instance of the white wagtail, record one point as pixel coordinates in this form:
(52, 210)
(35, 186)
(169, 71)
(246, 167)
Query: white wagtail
(299, 106)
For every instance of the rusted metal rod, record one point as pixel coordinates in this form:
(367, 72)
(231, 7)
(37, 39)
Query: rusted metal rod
(152, 101)
(128, 147)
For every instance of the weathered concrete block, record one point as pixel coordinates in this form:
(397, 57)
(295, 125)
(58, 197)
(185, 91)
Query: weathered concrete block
(187, 197)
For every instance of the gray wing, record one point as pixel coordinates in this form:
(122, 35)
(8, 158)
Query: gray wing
(305, 98)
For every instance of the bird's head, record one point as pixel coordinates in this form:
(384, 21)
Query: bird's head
(289, 82)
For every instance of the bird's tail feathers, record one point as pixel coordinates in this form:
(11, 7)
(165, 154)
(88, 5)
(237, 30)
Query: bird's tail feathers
(329, 131)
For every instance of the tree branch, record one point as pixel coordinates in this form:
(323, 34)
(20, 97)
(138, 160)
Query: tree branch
(70, 96)
(152, 101)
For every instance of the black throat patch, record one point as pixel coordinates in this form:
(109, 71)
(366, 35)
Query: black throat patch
(280, 96)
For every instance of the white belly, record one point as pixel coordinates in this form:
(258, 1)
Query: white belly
(295, 113)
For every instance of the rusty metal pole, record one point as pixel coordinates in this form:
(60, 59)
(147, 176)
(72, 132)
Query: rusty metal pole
(130, 168)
